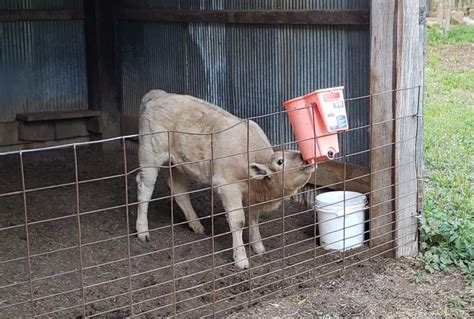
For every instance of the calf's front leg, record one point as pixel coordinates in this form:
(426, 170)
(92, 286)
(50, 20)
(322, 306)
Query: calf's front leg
(254, 234)
(231, 198)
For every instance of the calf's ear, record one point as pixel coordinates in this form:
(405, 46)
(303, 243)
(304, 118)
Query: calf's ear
(258, 171)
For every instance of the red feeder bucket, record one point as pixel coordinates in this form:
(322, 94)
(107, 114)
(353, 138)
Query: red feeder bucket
(316, 118)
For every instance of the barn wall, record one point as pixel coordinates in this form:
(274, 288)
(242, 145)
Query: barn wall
(42, 63)
(248, 69)
(246, 4)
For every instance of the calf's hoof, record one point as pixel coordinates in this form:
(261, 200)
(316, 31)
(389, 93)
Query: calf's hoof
(143, 237)
(242, 263)
(258, 248)
(196, 227)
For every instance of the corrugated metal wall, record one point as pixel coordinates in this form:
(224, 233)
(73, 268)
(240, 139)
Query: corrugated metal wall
(248, 69)
(42, 63)
(246, 4)
(39, 4)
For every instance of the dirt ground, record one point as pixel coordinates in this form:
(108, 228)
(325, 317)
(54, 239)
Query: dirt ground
(204, 285)
(459, 57)
(382, 287)
(379, 288)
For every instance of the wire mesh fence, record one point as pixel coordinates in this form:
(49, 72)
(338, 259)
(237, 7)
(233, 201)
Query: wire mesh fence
(69, 245)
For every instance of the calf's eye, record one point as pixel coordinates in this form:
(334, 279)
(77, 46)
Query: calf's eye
(280, 162)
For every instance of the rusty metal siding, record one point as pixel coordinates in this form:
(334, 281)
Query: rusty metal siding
(294, 5)
(152, 56)
(42, 67)
(40, 4)
(249, 69)
(159, 4)
(246, 4)
(358, 84)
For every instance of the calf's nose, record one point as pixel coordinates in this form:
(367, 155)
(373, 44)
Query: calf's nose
(301, 157)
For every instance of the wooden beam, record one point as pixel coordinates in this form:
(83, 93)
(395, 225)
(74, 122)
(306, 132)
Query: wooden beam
(382, 79)
(9, 133)
(36, 131)
(70, 128)
(420, 139)
(429, 7)
(21, 132)
(440, 12)
(448, 4)
(40, 15)
(58, 115)
(331, 174)
(94, 125)
(410, 64)
(101, 56)
(339, 17)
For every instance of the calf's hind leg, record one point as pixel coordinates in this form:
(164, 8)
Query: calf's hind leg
(146, 179)
(180, 187)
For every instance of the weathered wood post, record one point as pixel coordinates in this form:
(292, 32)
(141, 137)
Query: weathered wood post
(101, 52)
(396, 144)
(447, 16)
(440, 12)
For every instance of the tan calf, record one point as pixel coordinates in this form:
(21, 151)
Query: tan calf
(184, 129)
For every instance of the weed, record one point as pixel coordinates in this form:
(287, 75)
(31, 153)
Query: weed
(447, 232)
(457, 307)
(418, 276)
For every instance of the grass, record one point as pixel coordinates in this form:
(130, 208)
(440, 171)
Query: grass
(447, 232)
(457, 34)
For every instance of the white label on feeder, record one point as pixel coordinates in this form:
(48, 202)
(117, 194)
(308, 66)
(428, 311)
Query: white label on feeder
(336, 119)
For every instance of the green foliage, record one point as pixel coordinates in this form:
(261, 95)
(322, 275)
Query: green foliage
(418, 276)
(447, 232)
(456, 34)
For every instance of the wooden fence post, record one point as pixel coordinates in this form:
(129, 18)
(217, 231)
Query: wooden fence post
(101, 52)
(397, 38)
(410, 64)
(440, 12)
(382, 79)
(447, 16)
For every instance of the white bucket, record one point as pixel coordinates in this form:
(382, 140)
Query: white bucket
(339, 228)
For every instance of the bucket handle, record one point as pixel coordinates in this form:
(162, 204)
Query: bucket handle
(366, 203)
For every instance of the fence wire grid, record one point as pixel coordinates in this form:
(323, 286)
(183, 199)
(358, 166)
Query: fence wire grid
(69, 246)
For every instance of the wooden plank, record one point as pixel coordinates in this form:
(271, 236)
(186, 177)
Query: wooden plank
(70, 128)
(40, 15)
(12, 133)
(448, 4)
(420, 140)
(382, 79)
(36, 131)
(58, 115)
(429, 7)
(338, 17)
(410, 74)
(440, 12)
(9, 133)
(94, 125)
(331, 174)
(101, 56)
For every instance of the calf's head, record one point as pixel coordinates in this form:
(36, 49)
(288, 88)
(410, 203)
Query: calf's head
(284, 167)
